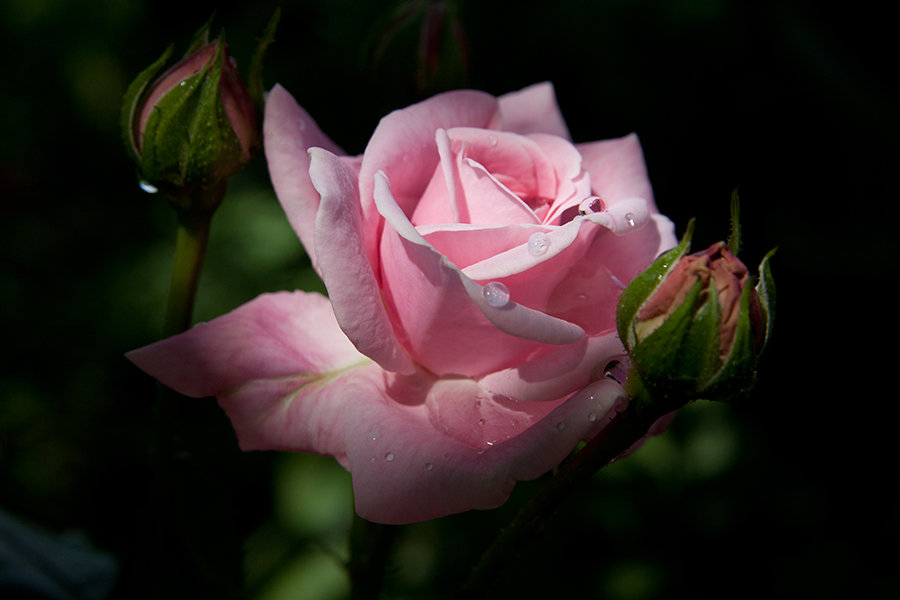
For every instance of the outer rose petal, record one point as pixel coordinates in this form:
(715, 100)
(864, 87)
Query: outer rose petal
(404, 471)
(532, 110)
(280, 365)
(288, 131)
(345, 267)
(617, 169)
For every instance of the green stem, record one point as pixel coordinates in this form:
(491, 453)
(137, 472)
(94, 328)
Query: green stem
(203, 560)
(623, 431)
(370, 545)
(190, 248)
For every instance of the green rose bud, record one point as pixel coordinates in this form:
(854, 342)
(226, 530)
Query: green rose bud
(694, 325)
(193, 127)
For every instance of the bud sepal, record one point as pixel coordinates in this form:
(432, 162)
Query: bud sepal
(193, 127)
(694, 325)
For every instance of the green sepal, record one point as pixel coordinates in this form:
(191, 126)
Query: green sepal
(201, 37)
(766, 291)
(131, 102)
(734, 238)
(641, 287)
(668, 366)
(188, 140)
(738, 373)
(255, 85)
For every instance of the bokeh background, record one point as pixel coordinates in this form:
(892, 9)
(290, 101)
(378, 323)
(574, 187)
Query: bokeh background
(788, 494)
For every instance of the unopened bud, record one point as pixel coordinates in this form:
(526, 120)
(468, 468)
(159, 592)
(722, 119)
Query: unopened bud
(695, 325)
(194, 126)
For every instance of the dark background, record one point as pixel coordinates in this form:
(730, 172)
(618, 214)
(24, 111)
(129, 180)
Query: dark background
(787, 494)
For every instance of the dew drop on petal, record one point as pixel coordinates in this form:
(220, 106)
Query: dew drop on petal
(496, 294)
(561, 426)
(492, 139)
(590, 205)
(538, 243)
(629, 220)
(148, 187)
(429, 466)
(592, 417)
(389, 457)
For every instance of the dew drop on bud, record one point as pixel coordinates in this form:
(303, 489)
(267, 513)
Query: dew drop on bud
(496, 294)
(592, 417)
(148, 187)
(389, 457)
(629, 220)
(538, 243)
(429, 466)
(561, 426)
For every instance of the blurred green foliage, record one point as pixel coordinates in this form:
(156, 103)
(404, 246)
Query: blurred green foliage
(788, 494)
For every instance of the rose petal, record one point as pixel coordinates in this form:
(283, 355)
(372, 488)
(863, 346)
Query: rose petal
(345, 268)
(405, 471)
(288, 132)
(278, 387)
(532, 110)
(467, 413)
(617, 169)
(428, 296)
(403, 143)
(556, 373)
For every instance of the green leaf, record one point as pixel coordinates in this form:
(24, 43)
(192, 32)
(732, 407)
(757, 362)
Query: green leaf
(131, 102)
(642, 286)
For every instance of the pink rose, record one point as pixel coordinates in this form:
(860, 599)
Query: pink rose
(473, 257)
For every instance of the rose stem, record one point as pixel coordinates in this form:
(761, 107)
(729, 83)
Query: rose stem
(216, 562)
(369, 551)
(623, 431)
(190, 248)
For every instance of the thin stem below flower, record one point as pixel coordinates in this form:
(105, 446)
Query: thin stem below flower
(190, 248)
(370, 545)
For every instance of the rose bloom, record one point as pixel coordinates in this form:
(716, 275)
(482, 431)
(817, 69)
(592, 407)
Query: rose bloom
(473, 257)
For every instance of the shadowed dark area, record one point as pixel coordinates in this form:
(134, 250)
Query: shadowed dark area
(789, 493)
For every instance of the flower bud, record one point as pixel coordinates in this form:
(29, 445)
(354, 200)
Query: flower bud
(695, 325)
(194, 126)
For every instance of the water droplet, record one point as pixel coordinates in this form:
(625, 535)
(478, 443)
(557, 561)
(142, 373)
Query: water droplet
(492, 139)
(148, 187)
(538, 243)
(592, 417)
(389, 457)
(629, 220)
(496, 294)
(590, 205)
(429, 466)
(561, 426)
